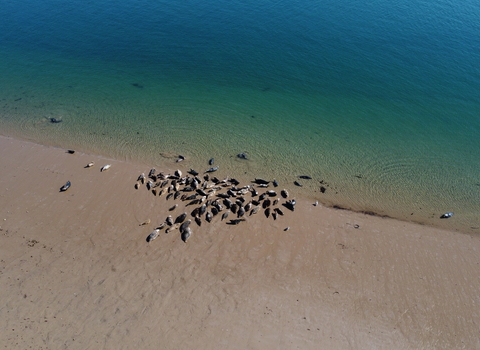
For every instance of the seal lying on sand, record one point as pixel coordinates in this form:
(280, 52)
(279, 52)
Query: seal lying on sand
(153, 235)
(65, 187)
(446, 216)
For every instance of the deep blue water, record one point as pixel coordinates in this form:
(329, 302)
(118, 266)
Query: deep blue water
(378, 99)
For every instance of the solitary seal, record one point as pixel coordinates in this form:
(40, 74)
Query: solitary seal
(55, 120)
(180, 158)
(446, 216)
(65, 187)
(306, 177)
(145, 223)
(242, 155)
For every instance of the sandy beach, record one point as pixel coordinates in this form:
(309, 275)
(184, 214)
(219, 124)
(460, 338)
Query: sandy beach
(77, 272)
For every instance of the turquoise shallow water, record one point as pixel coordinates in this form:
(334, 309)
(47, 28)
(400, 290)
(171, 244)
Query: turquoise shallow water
(378, 100)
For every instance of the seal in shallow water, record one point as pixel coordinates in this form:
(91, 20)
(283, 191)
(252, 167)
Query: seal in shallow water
(242, 155)
(180, 158)
(446, 216)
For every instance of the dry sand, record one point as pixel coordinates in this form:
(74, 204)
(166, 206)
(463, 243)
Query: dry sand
(77, 273)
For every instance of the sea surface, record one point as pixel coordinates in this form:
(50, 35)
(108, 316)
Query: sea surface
(377, 101)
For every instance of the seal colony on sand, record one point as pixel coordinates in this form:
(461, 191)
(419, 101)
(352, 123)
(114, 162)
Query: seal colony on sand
(210, 199)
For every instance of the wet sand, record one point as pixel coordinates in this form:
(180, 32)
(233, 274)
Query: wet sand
(77, 273)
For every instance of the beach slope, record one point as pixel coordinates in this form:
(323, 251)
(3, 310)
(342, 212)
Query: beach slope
(77, 273)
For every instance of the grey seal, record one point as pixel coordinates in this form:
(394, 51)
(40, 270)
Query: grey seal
(184, 226)
(242, 155)
(66, 186)
(153, 235)
(211, 170)
(185, 235)
(181, 218)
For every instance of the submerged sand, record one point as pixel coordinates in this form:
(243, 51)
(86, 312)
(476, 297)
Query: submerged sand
(77, 273)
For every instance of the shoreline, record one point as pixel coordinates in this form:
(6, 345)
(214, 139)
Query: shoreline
(167, 158)
(78, 272)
